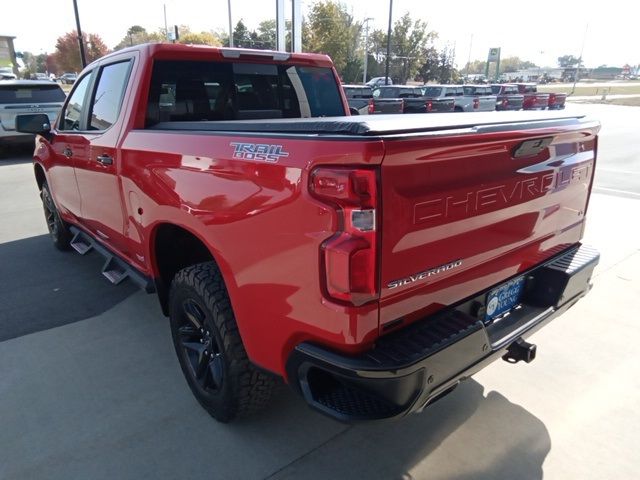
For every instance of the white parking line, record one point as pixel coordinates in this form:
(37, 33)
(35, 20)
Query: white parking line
(613, 170)
(613, 190)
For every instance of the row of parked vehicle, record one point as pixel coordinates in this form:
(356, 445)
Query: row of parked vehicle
(365, 99)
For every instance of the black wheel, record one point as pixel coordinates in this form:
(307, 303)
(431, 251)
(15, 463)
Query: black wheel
(209, 347)
(457, 109)
(60, 234)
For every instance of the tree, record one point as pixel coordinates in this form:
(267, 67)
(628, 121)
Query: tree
(67, 54)
(568, 61)
(266, 35)
(430, 68)
(513, 64)
(409, 42)
(242, 37)
(137, 35)
(202, 38)
(333, 31)
(412, 51)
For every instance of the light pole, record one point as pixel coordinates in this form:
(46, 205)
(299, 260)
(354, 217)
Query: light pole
(386, 68)
(230, 25)
(83, 58)
(366, 48)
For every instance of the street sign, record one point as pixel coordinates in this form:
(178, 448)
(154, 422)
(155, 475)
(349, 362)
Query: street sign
(494, 55)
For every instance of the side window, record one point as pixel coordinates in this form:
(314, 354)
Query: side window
(72, 115)
(108, 95)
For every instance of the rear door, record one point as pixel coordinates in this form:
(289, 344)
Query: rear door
(464, 211)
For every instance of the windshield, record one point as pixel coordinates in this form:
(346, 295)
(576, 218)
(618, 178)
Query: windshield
(31, 94)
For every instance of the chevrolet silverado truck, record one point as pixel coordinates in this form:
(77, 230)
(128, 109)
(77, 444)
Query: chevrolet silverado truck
(361, 101)
(371, 262)
(413, 99)
(475, 98)
(533, 100)
(507, 97)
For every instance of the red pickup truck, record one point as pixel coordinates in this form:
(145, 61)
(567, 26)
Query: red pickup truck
(533, 100)
(371, 262)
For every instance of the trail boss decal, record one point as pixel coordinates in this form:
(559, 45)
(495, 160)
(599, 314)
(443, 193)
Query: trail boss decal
(424, 274)
(258, 151)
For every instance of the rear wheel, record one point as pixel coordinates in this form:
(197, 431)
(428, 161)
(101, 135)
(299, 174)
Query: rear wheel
(209, 348)
(457, 109)
(58, 230)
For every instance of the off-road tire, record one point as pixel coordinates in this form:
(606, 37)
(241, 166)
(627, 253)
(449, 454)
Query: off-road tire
(58, 229)
(240, 389)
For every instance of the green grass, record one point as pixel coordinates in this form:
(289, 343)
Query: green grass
(617, 89)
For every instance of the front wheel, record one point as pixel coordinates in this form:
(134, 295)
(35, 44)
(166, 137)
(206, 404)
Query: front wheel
(209, 348)
(58, 230)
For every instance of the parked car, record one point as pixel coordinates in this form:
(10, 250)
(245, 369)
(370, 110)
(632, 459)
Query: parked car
(40, 76)
(507, 97)
(6, 73)
(68, 78)
(533, 100)
(378, 81)
(371, 263)
(413, 99)
(359, 97)
(26, 96)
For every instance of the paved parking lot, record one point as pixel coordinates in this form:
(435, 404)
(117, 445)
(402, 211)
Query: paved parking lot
(90, 387)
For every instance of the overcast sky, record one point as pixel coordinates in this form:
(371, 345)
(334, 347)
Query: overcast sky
(538, 31)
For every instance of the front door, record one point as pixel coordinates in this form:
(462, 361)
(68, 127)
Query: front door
(97, 172)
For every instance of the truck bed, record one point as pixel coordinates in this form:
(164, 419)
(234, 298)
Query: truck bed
(379, 125)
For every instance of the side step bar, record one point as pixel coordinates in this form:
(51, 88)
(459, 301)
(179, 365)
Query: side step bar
(115, 269)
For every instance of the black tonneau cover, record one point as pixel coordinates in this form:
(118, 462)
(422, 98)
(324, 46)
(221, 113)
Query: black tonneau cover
(380, 125)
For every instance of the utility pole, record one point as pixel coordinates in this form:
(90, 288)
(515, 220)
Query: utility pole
(386, 68)
(366, 48)
(469, 59)
(230, 25)
(83, 58)
(166, 28)
(575, 79)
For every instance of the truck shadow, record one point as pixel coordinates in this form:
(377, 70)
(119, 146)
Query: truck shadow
(44, 288)
(466, 435)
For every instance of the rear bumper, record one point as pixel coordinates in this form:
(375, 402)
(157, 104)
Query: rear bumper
(411, 368)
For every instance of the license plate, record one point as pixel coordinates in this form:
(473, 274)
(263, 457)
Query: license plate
(503, 298)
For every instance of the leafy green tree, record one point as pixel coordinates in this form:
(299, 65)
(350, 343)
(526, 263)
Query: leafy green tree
(567, 61)
(202, 38)
(137, 35)
(333, 31)
(242, 37)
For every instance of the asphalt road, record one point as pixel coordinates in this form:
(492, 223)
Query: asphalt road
(618, 169)
(90, 387)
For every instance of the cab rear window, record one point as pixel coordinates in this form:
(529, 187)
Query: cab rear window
(31, 94)
(210, 91)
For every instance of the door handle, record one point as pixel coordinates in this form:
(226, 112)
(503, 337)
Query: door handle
(67, 152)
(105, 159)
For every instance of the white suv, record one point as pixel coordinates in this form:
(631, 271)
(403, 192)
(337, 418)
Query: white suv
(26, 96)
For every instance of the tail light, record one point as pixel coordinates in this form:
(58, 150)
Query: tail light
(371, 107)
(505, 103)
(429, 105)
(552, 98)
(349, 257)
(476, 102)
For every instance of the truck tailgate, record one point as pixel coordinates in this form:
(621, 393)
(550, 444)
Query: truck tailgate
(466, 209)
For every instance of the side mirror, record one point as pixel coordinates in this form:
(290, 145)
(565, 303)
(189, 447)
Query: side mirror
(354, 111)
(36, 123)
